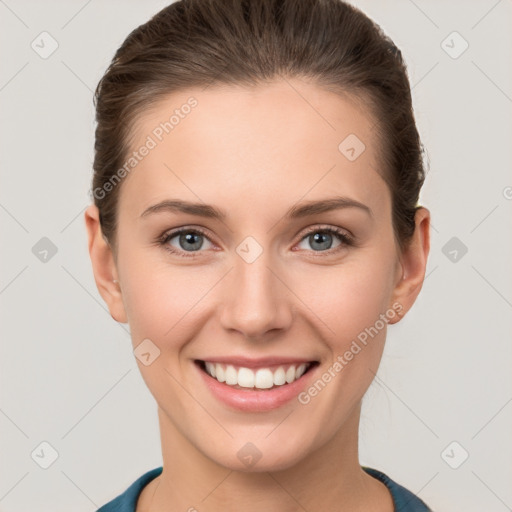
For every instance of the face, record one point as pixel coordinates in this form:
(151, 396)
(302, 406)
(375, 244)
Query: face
(270, 284)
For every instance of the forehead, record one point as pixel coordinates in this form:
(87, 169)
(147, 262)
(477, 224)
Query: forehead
(241, 146)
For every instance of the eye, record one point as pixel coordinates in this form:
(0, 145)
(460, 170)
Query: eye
(321, 239)
(187, 241)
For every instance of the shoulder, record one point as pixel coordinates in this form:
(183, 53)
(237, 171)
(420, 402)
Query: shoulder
(403, 499)
(127, 501)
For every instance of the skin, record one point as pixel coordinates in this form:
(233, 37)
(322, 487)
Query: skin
(255, 152)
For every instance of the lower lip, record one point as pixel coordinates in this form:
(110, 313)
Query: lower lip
(252, 400)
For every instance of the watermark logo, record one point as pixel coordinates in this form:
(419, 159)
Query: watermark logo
(44, 455)
(454, 455)
(355, 348)
(454, 45)
(249, 454)
(249, 249)
(157, 135)
(44, 250)
(352, 147)
(454, 249)
(44, 45)
(146, 352)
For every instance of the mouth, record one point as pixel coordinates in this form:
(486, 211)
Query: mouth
(261, 378)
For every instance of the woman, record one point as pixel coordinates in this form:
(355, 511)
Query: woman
(256, 223)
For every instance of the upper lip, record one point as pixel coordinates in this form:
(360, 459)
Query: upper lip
(257, 363)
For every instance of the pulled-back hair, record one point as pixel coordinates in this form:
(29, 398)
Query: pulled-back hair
(194, 43)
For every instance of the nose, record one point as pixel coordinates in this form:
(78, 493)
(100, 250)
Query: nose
(256, 299)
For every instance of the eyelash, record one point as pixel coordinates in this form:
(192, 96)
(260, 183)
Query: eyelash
(345, 239)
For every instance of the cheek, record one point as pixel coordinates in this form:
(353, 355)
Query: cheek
(161, 301)
(348, 298)
(162, 298)
(350, 301)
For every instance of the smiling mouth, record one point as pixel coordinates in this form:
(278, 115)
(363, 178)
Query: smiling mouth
(264, 378)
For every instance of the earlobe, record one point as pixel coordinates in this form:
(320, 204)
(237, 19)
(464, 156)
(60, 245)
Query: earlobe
(103, 266)
(412, 265)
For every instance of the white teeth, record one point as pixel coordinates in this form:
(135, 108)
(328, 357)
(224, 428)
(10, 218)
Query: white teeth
(290, 374)
(246, 378)
(219, 373)
(279, 377)
(210, 368)
(231, 375)
(263, 378)
(300, 371)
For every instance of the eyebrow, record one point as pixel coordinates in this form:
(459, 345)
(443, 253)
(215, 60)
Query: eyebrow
(301, 210)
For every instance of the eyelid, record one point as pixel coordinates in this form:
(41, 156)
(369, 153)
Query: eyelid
(329, 228)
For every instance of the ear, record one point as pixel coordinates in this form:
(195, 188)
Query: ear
(412, 264)
(104, 266)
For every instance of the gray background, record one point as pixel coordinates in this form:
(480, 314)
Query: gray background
(68, 375)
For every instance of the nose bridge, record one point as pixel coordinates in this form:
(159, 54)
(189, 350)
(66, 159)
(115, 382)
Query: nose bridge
(255, 300)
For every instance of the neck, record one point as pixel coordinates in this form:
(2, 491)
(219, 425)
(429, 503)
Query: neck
(329, 478)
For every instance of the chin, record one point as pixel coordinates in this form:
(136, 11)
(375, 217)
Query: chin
(258, 456)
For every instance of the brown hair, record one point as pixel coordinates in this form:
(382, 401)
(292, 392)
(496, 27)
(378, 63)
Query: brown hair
(249, 42)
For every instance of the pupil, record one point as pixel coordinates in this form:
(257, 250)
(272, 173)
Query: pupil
(189, 239)
(318, 237)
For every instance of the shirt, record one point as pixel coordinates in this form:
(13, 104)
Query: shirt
(403, 499)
